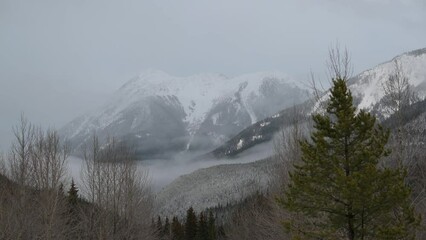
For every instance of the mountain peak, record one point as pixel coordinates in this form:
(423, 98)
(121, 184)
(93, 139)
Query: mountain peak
(205, 109)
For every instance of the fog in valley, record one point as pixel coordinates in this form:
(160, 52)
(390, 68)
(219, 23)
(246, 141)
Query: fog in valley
(63, 59)
(164, 171)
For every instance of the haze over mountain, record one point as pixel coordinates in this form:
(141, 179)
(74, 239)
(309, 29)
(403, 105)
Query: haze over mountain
(61, 59)
(160, 113)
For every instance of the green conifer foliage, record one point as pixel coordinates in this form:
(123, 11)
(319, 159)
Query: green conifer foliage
(340, 190)
(166, 228)
(202, 231)
(73, 194)
(212, 226)
(177, 230)
(159, 227)
(191, 225)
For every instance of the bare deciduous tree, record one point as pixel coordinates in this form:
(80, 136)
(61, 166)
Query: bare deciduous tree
(48, 160)
(34, 206)
(19, 159)
(398, 95)
(286, 145)
(261, 217)
(339, 63)
(339, 66)
(398, 91)
(114, 183)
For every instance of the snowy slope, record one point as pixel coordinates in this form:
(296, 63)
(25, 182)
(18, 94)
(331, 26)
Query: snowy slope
(368, 86)
(213, 186)
(367, 89)
(198, 93)
(186, 112)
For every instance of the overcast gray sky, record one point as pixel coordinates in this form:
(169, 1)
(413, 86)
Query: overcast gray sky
(61, 58)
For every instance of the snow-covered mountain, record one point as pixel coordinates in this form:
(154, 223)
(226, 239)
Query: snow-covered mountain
(159, 113)
(368, 92)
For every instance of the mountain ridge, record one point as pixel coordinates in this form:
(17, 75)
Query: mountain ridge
(367, 91)
(155, 109)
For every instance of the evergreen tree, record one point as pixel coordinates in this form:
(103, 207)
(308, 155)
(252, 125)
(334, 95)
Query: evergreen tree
(221, 232)
(191, 225)
(202, 231)
(166, 229)
(73, 194)
(159, 227)
(153, 226)
(72, 217)
(212, 226)
(339, 189)
(177, 230)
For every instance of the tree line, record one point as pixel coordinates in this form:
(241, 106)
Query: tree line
(194, 227)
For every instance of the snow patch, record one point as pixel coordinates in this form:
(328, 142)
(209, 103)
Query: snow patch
(254, 138)
(240, 144)
(263, 124)
(215, 117)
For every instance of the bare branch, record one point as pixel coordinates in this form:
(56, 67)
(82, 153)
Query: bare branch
(339, 63)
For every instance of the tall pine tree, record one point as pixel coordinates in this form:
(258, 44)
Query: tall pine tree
(73, 194)
(191, 225)
(166, 229)
(212, 226)
(159, 227)
(339, 189)
(202, 231)
(178, 232)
